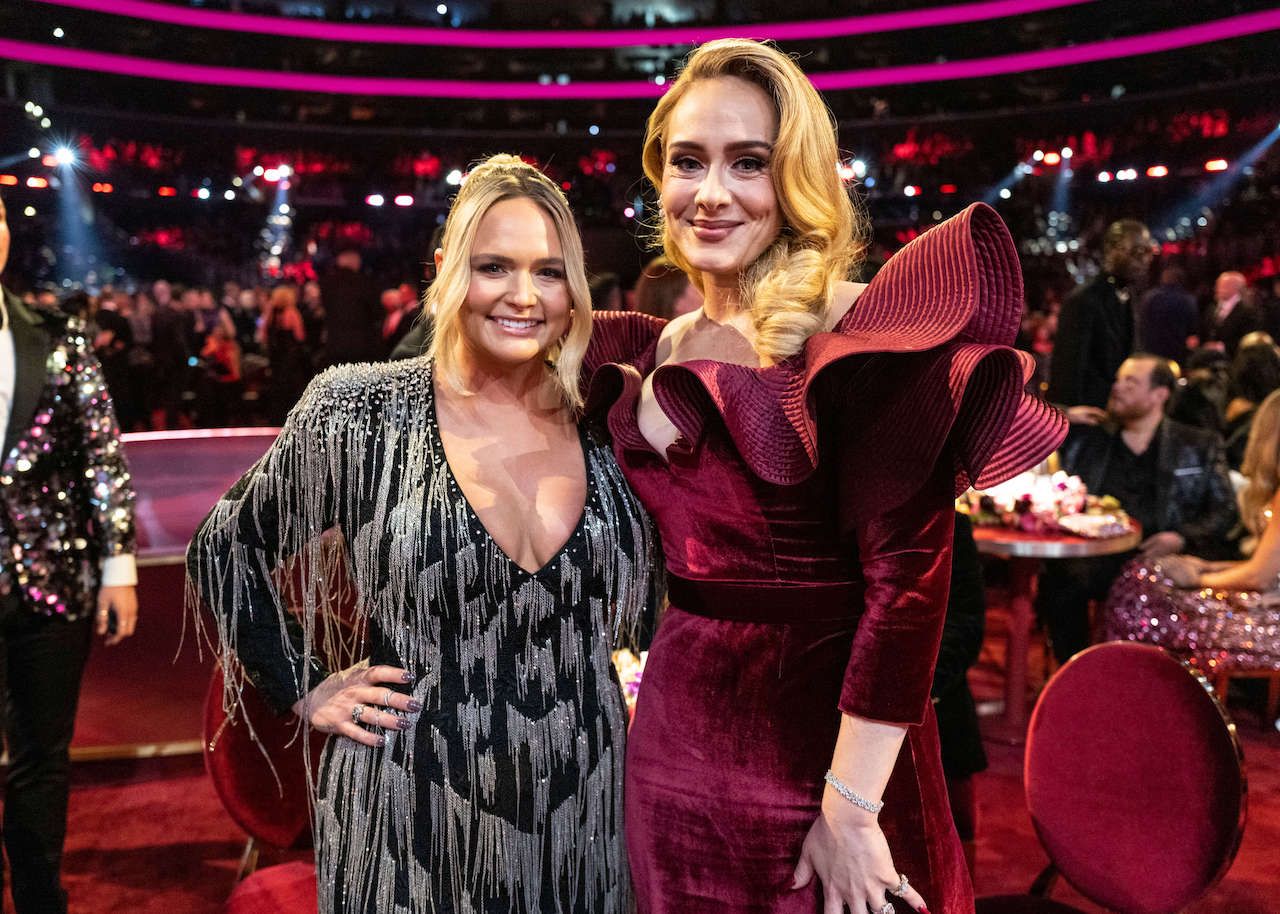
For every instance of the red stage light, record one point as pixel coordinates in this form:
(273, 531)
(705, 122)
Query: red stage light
(403, 200)
(1104, 177)
(565, 185)
(8, 180)
(100, 187)
(49, 161)
(37, 182)
(1157, 171)
(1052, 158)
(911, 190)
(167, 191)
(1215, 165)
(948, 188)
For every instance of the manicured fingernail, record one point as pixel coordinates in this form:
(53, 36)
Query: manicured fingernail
(922, 909)
(382, 741)
(403, 723)
(415, 705)
(406, 676)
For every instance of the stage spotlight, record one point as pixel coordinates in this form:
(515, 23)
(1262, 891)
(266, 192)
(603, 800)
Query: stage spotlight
(1067, 152)
(1005, 193)
(442, 9)
(948, 188)
(29, 211)
(659, 80)
(284, 171)
(33, 153)
(8, 180)
(46, 123)
(911, 190)
(271, 175)
(453, 178)
(1215, 165)
(1038, 155)
(845, 172)
(64, 156)
(859, 168)
(375, 200)
(1104, 177)
(167, 191)
(258, 171)
(228, 195)
(201, 193)
(1052, 158)
(49, 161)
(403, 200)
(38, 183)
(1157, 171)
(594, 130)
(58, 33)
(36, 111)
(629, 212)
(237, 181)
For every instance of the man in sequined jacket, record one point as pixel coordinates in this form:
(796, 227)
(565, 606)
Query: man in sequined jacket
(67, 541)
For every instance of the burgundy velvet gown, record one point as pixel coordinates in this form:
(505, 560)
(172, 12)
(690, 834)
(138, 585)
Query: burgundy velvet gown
(806, 518)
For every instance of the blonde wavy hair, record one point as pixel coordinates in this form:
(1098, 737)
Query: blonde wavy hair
(823, 235)
(1261, 465)
(497, 178)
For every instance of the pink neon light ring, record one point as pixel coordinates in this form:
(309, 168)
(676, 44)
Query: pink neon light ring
(1155, 42)
(606, 38)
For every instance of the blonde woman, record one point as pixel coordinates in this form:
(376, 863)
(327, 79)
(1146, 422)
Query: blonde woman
(1221, 615)
(475, 757)
(799, 440)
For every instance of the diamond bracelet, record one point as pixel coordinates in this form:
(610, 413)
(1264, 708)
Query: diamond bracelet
(844, 791)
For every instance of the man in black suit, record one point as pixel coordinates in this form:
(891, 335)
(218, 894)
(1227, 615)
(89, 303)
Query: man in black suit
(352, 311)
(67, 537)
(1168, 317)
(1231, 317)
(1096, 323)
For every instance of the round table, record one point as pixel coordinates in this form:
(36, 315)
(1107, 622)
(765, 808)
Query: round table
(1025, 552)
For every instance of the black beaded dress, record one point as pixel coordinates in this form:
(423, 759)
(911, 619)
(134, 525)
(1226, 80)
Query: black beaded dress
(506, 795)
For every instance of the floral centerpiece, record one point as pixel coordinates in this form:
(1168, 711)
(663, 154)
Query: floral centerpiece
(1045, 503)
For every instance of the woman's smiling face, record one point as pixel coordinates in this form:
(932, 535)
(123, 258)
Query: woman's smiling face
(518, 301)
(717, 184)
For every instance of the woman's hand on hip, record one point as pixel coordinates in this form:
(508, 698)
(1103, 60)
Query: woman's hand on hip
(847, 851)
(359, 702)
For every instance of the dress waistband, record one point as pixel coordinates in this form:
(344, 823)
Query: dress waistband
(766, 601)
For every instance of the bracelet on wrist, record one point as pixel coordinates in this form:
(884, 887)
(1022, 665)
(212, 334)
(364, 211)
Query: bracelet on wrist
(871, 806)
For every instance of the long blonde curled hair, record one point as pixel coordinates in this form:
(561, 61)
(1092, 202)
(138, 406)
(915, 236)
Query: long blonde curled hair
(497, 178)
(823, 236)
(1261, 465)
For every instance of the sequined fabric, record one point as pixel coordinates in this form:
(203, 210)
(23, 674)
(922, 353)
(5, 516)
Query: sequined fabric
(506, 796)
(68, 501)
(1217, 631)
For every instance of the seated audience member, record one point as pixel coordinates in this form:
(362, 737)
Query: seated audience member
(1171, 478)
(606, 292)
(1213, 612)
(664, 291)
(1168, 316)
(1231, 315)
(958, 735)
(1255, 373)
(1201, 398)
(223, 385)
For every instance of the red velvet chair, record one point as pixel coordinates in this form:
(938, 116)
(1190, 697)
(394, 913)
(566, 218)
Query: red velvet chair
(289, 888)
(1135, 784)
(271, 806)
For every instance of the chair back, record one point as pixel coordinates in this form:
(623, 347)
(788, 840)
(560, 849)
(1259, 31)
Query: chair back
(1135, 779)
(241, 768)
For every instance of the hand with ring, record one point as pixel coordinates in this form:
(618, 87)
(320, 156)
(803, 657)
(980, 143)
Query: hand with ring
(356, 703)
(847, 851)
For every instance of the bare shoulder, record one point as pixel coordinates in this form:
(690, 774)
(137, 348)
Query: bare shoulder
(846, 295)
(673, 333)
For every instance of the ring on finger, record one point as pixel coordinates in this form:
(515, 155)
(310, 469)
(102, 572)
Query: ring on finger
(903, 885)
(386, 699)
(356, 711)
(888, 908)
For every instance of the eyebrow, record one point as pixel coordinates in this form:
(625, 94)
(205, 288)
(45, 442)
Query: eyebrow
(738, 146)
(505, 260)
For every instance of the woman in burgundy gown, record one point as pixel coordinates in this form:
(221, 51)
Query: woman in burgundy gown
(799, 441)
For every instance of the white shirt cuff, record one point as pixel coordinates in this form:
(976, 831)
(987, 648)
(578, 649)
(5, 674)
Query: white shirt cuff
(119, 571)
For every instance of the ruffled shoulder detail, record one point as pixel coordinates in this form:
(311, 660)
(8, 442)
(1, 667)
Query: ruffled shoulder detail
(922, 362)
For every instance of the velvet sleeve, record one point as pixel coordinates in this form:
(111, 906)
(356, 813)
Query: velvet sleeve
(905, 557)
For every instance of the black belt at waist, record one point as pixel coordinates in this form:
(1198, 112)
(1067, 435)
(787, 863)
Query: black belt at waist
(767, 601)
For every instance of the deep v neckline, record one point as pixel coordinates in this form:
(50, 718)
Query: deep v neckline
(478, 525)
